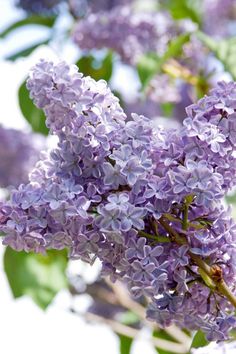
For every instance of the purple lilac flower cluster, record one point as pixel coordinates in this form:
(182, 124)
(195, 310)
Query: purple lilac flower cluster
(18, 154)
(40, 7)
(221, 22)
(80, 8)
(129, 33)
(146, 201)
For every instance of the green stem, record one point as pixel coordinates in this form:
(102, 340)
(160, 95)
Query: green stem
(224, 289)
(185, 217)
(158, 238)
(220, 284)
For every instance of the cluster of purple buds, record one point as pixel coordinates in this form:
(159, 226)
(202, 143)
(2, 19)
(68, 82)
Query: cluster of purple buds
(128, 32)
(40, 7)
(147, 201)
(18, 154)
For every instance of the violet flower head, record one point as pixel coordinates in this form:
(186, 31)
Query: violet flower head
(81, 8)
(147, 201)
(18, 154)
(40, 7)
(131, 34)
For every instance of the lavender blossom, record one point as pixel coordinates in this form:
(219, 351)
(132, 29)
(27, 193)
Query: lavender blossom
(161, 89)
(221, 18)
(147, 201)
(40, 7)
(80, 8)
(129, 33)
(18, 154)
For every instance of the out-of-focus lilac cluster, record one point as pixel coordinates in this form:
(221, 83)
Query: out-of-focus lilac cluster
(80, 8)
(129, 33)
(162, 89)
(18, 154)
(40, 7)
(121, 190)
(219, 20)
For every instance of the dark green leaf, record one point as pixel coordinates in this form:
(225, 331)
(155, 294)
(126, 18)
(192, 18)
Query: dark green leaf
(125, 344)
(31, 20)
(97, 69)
(199, 340)
(224, 50)
(25, 52)
(33, 115)
(36, 275)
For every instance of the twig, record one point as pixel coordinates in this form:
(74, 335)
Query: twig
(219, 282)
(120, 328)
(126, 301)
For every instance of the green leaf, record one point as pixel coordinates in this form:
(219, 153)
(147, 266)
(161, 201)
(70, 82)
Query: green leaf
(25, 52)
(162, 335)
(167, 109)
(180, 9)
(224, 50)
(150, 64)
(33, 115)
(175, 47)
(31, 20)
(208, 41)
(199, 340)
(125, 344)
(36, 275)
(97, 69)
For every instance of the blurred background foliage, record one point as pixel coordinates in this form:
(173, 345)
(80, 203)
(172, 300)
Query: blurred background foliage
(199, 48)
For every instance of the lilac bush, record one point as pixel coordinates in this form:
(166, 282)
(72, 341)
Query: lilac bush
(147, 201)
(80, 8)
(41, 7)
(221, 21)
(128, 32)
(18, 154)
